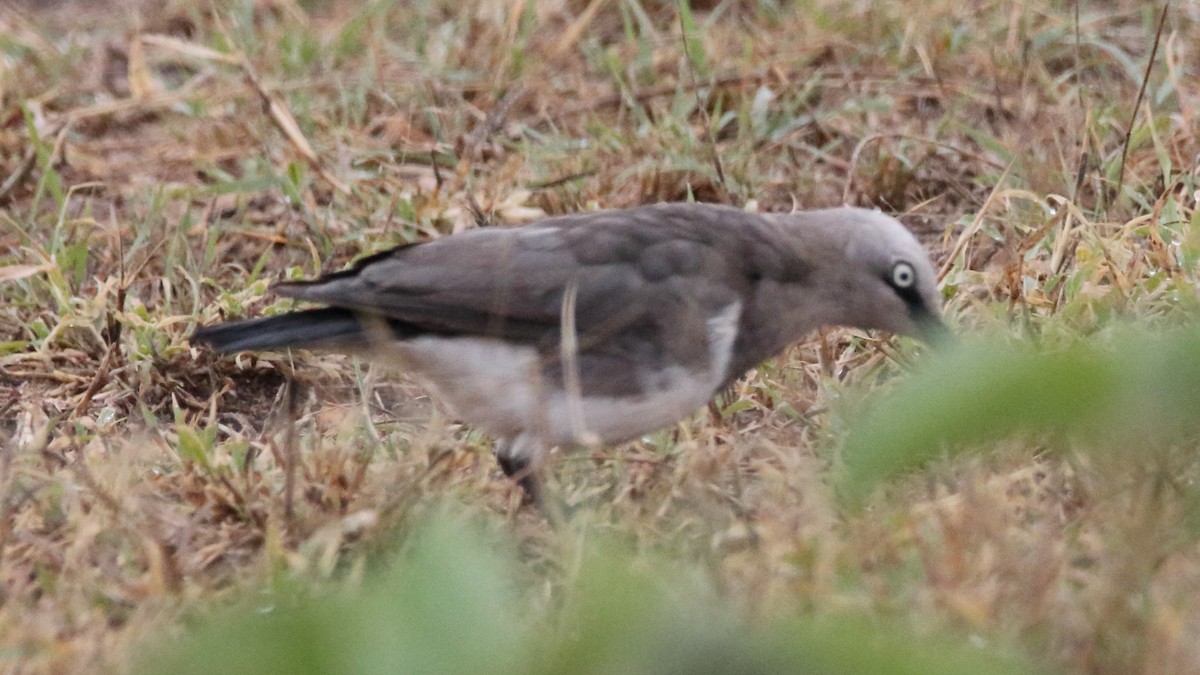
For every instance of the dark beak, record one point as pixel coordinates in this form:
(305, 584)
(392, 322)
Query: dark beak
(932, 330)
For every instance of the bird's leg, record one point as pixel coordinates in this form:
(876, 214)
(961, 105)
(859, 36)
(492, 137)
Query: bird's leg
(519, 464)
(522, 460)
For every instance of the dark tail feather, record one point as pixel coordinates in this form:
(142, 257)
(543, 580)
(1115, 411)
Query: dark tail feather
(329, 327)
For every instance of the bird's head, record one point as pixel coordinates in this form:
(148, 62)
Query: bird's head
(876, 274)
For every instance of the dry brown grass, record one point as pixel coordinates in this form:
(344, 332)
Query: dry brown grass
(161, 162)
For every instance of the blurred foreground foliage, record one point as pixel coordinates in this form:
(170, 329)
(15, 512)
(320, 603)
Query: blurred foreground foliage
(1129, 390)
(450, 603)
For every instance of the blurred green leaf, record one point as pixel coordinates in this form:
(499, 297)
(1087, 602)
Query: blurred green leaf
(446, 607)
(1140, 386)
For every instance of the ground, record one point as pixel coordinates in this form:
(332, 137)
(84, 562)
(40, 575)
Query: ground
(161, 162)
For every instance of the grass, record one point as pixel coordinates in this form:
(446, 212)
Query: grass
(162, 164)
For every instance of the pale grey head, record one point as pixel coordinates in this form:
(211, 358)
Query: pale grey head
(873, 273)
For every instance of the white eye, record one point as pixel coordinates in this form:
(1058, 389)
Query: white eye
(903, 275)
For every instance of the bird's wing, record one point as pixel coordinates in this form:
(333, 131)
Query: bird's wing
(636, 270)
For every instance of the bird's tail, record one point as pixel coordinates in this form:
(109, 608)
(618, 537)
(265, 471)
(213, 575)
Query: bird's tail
(326, 328)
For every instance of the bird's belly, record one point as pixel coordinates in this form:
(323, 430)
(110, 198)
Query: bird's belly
(614, 419)
(498, 387)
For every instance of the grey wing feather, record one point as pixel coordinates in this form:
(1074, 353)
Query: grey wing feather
(511, 282)
(474, 285)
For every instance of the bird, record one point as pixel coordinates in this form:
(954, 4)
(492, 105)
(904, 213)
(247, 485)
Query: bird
(604, 326)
